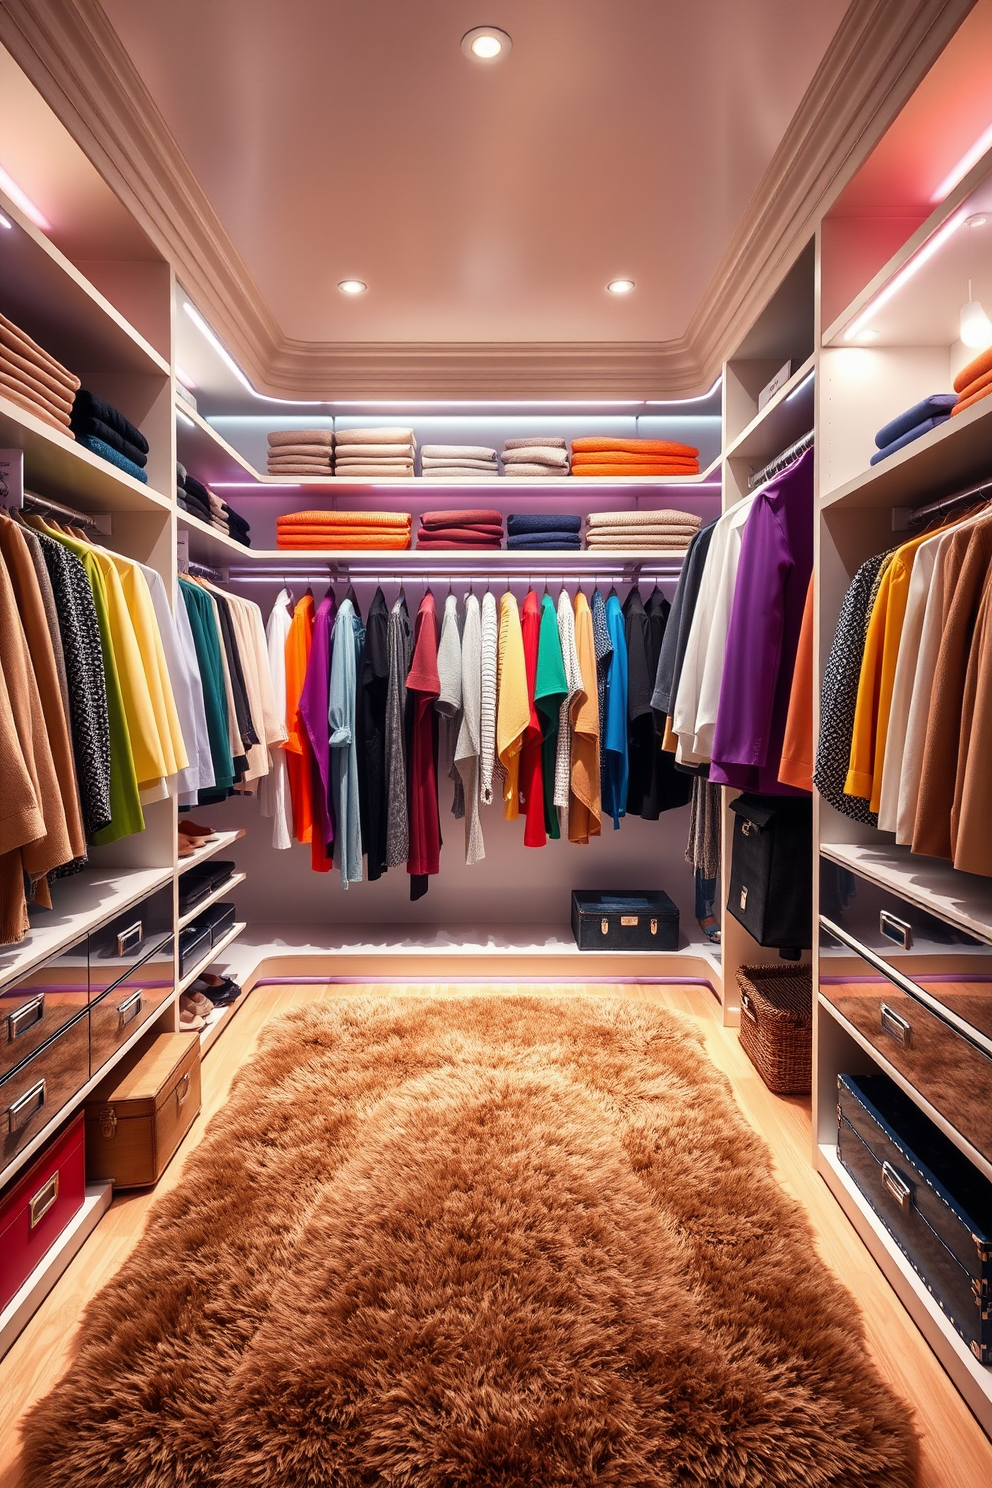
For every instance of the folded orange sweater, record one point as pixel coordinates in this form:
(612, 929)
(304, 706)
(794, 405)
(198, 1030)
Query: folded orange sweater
(621, 457)
(689, 468)
(597, 443)
(966, 401)
(344, 519)
(974, 370)
(324, 543)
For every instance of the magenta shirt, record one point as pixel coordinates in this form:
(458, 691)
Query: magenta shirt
(772, 578)
(313, 711)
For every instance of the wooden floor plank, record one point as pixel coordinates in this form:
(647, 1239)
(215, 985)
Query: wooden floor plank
(955, 1449)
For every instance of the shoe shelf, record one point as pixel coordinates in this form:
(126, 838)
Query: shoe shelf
(35, 1289)
(212, 898)
(962, 899)
(209, 850)
(972, 1379)
(211, 957)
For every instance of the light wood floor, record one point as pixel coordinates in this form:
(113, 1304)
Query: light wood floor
(956, 1451)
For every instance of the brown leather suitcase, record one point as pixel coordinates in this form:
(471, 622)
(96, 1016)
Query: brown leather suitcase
(136, 1118)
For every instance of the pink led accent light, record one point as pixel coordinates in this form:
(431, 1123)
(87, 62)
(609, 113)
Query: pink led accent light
(22, 200)
(968, 159)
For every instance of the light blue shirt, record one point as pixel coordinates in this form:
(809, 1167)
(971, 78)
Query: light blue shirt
(346, 639)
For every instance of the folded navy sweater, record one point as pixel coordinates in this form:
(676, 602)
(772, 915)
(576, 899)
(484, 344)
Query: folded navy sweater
(99, 430)
(542, 522)
(88, 405)
(935, 406)
(545, 540)
(908, 437)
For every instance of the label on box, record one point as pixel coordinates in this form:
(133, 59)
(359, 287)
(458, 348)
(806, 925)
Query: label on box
(771, 388)
(11, 477)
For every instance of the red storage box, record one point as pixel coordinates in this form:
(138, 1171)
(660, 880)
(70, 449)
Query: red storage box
(37, 1209)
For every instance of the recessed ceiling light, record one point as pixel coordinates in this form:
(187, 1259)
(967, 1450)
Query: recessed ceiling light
(352, 286)
(486, 43)
(620, 286)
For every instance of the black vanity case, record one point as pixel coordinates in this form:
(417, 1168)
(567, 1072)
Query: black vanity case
(624, 920)
(933, 1202)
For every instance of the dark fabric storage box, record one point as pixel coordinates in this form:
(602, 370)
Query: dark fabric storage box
(776, 1029)
(933, 1202)
(194, 943)
(218, 919)
(624, 920)
(201, 881)
(771, 888)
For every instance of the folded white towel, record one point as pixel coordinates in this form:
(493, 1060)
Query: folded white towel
(534, 443)
(375, 451)
(535, 455)
(646, 517)
(485, 466)
(544, 471)
(372, 472)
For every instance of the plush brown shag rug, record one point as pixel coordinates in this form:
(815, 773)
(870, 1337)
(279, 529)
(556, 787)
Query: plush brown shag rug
(517, 1240)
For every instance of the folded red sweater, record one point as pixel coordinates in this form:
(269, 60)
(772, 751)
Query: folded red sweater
(462, 518)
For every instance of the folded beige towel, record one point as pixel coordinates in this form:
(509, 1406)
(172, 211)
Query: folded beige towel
(17, 340)
(442, 465)
(372, 472)
(457, 452)
(542, 470)
(535, 455)
(665, 517)
(375, 451)
(314, 451)
(534, 443)
(397, 464)
(376, 436)
(318, 472)
(458, 474)
(640, 540)
(302, 436)
(16, 393)
(319, 467)
(29, 388)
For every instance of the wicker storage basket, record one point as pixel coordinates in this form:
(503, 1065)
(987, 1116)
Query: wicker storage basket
(777, 1025)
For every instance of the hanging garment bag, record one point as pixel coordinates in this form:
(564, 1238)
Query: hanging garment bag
(771, 890)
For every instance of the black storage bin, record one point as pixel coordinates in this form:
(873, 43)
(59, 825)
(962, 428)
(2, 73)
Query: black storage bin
(771, 871)
(624, 920)
(194, 943)
(936, 1206)
(218, 919)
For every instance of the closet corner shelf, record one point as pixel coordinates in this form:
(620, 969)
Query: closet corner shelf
(81, 903)
(783, 420)
(59, 467)
(963, 899)
(211, 898)
(940, 462)
(972, 1379)
(29, 1298)
(950, 1132)
(210, 850)
(214, 953)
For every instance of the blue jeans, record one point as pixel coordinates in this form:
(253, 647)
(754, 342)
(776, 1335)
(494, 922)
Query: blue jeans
(705, 895)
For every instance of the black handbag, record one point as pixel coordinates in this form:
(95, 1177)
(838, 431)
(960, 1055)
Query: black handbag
(771, 871)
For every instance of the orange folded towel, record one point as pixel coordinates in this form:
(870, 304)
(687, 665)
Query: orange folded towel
(16, 393)
(384, 542)
(974, 370)
(688, 467)
(966, 402)
(345, 519)
(974, 387)
(596, 443)
(19, 341)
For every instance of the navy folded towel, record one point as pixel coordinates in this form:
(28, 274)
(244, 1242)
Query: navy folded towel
(927, 408)
(545, 541)
(542, 522)
(196, 488)
(88, 405)
(908, 437)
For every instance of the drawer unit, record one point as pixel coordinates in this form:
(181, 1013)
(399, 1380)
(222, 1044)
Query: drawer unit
(37, 1209)
(947, 1068)
(33, 1009)
(116, 1015)
(35, 1092)
(129, 939)
(948, 968)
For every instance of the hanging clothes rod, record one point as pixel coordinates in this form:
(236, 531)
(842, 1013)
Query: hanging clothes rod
(781, 462)
(968, 497)
(43, 505)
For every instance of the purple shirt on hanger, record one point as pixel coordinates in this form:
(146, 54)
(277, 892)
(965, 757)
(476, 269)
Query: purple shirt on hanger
(313, 710)
(772, 577)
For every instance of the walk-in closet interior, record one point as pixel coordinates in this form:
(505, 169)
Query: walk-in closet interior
(495, 821)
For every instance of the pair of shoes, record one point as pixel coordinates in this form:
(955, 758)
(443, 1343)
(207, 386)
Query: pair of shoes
(711, 929)
(189, 1019)
(221, 991)
(192, 836)
(196, 1002)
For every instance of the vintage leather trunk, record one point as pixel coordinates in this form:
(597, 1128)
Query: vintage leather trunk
(933, 1202)
(624, 920)
(35, 1211)
(137, 1117)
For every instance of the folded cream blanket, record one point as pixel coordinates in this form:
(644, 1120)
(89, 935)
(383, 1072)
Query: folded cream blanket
(534, 444)
(646, 518)
(484, 466)
(302, 436)
(541, 470)
(374, 452)
(372, 472)
(376, 436)
(457, 452)
(536, 454)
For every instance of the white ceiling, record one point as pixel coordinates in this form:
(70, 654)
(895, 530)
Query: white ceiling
(480, 203)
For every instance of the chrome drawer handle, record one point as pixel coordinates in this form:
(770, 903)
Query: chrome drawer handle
(128, 939)
(896, 1027)
(44, 1199)
(129, 1010)
(894, 929)
(897, 1186)
(20, 1113)
(26, 1017)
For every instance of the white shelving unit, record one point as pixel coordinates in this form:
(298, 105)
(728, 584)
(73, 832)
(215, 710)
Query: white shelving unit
(223, 841)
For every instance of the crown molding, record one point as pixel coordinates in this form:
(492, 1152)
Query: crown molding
(880, 53)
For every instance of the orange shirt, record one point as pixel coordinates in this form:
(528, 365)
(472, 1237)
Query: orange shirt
(297, 746)
(796, 765)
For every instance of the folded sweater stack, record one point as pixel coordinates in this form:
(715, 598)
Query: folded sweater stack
(452, 530)
(34, 380)
(536, 459)
(457, 461)
(103, 430)
(554, 531)
(301, 452)
(199, 501)
(974, 382)
(912, 424)
(227, 521)
(374, 454)
(372, 530)
(645, 531)
(601, 455)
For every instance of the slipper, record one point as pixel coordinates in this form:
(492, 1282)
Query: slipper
(193, 829)
(186, 847)
(190, 1022)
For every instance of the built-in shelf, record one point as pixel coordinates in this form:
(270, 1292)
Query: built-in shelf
(211, 898)
(218, 1022)
(212, 955)
(784, 419)
(29, 1298)
(972, 1379)
(81, 904)
(210, 849)
(963, 899)
(944, 460)
(57, 466)
(950, 1132)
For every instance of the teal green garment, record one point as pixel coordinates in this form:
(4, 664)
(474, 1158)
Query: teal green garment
(550, 691)
(208, 657)
(126, 816)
